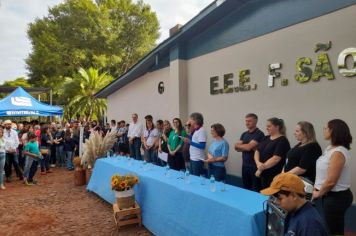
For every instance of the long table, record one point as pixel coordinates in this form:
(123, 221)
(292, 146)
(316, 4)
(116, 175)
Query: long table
(171, 206)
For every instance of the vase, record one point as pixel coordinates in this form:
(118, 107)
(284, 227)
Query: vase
(88, 175)
(125, 199)
(79, 176)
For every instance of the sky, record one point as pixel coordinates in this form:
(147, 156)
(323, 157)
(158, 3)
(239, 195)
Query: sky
(15, 15)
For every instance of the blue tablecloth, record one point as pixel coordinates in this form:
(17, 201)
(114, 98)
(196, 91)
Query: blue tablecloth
(170, 206)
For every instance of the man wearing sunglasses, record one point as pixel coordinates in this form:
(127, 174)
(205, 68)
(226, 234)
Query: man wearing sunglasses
(302, 218)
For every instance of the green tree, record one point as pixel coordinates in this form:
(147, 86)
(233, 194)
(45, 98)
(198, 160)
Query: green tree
(107, 34)
(82, 89)
(20, 81)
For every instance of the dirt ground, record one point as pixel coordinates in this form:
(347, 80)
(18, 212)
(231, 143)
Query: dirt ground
(56, 207)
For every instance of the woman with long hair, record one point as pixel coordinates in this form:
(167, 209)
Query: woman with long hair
(45, 146)
(271, 153)
(149, 138)
(301, 159)
(175, 145)
(69, 148)
(333, 175)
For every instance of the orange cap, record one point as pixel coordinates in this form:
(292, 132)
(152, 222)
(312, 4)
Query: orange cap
(287, 182)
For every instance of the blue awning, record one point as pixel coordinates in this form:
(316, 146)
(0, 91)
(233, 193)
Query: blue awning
(20, 103)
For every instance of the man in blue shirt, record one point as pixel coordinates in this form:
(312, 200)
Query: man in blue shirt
(302, 218)
(247, 145)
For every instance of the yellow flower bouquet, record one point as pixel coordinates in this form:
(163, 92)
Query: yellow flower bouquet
(123, 187)
(124, 182)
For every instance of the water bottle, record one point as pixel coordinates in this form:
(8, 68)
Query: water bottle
(144, 165)
(186, 177)
(212, 184)
(166, 173)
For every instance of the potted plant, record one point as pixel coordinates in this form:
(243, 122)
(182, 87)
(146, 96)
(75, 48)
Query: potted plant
(123, 187)
(79, 172)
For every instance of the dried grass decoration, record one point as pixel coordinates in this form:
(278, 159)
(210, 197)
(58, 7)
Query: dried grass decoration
(123, 186)
(97, 146)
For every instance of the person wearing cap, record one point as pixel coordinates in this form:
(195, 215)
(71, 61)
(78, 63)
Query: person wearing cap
(11, 144)
(302, 218)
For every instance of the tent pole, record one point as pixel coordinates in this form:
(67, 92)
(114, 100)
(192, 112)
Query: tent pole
(50, 101)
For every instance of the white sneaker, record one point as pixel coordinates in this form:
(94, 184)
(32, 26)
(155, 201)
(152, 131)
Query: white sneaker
(2, 187)
(53, 165)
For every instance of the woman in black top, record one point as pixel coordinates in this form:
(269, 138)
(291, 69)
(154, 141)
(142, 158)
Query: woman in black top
(271, 153)
(162, 142)
(301, 159)
(69, 148)
(46, 142)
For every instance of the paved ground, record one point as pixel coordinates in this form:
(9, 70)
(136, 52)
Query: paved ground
(56, 207)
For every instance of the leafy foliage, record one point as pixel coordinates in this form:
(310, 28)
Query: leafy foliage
(80, 91)
(109, 34)
(20, 81)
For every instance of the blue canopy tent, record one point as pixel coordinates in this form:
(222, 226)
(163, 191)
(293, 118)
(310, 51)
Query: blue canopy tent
(20, 103)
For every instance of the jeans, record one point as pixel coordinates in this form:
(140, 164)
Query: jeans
(53, 154)
(150, 155)
(60, 155)
(28, 164)
(12, 160)
(135, 149)
(196, 167)
(249, 179)
(2, 165)
(33, 170)
(69, 160)
(218, 172)
(45, 161)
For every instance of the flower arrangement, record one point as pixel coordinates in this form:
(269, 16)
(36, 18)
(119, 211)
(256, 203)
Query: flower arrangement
(122, 183)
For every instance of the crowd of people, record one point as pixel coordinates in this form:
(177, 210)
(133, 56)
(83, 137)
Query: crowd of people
(25, 146)
(264, 157)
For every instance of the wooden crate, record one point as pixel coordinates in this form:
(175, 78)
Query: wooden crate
(127, 216)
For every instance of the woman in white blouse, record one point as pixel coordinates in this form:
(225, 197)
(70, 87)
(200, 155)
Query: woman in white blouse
(333, 175)
(149, 139)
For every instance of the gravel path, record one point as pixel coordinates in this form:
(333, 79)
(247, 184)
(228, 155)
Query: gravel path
(56, 207)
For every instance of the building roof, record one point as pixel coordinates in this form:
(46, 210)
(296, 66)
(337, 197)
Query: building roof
(222, 24)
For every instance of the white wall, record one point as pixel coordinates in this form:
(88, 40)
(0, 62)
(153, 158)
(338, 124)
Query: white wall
(141, 96)
(316, 102)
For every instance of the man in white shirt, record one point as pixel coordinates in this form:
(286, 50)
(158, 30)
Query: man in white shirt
(11, 144)
(134, 134)
(197, 141)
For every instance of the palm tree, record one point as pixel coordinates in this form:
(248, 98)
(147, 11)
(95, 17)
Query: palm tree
(83, 87)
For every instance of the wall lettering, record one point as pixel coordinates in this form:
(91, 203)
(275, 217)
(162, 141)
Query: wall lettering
(341, 62)
(304, 73)
(228, 83)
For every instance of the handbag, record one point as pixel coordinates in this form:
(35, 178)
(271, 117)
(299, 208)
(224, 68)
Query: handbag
(44, 151)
